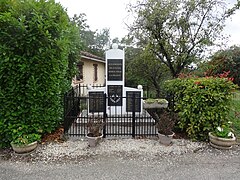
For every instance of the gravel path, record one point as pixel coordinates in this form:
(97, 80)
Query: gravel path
(123, 159)
(78, 149)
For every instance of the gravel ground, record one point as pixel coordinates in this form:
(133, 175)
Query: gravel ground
(76, 150)
(121, 159)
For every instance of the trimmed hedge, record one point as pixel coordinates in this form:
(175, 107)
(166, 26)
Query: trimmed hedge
(39, 46)
(202, 104)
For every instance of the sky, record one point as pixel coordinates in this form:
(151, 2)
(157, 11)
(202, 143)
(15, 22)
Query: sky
(113, 14)
(101, 14)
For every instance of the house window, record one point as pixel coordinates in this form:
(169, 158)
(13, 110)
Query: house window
(95, 66)
(79, 76)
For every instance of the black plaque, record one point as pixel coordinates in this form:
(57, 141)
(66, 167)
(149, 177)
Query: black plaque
(115, 95)
(96, 102)
(115, 70)
(137, 100)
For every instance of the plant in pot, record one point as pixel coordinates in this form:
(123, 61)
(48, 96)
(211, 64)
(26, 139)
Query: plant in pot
(223, 137)
(25, 143)
(165, 123)
(155, 103)
(164, 119)
(94, 135)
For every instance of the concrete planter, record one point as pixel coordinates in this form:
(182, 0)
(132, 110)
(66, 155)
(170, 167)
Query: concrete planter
(93, 141)
(221, 143)
(165, 139)
(154, 105)
(21, 149)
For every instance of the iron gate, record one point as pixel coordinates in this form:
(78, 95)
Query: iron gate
(134, 122)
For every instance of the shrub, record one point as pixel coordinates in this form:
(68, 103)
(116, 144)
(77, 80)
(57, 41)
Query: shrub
(38, 52)
(202, 103)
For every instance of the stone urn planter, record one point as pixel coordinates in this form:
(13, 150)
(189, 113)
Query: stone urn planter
(155, 104)
(164, 120)
(221, 143)
(166, 139)
(26, 148)
(93, 140)
(94, 135)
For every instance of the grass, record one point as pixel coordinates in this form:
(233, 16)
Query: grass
(235, 113)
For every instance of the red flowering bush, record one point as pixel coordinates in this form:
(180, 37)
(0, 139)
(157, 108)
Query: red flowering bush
(202, 103)
(225, 74)
(225, 61)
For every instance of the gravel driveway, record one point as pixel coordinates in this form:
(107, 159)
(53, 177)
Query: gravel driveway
(123, 159)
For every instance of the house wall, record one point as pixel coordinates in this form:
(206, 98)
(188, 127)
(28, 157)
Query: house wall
(88, 73)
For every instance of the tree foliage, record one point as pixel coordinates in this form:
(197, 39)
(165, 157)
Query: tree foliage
(39, 47)
(146, 68)
(179, 31)
(94, 42)
(225, 61)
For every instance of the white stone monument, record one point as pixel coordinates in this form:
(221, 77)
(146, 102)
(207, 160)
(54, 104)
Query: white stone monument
(120, 98)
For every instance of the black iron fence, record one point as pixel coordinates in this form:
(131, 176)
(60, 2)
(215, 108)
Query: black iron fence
(81, 90)
(127, 119)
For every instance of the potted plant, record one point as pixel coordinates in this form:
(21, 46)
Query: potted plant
(164, 120)
(25, 143)
(165, 125)
(155, 103)
(94, 135)
(222, 138)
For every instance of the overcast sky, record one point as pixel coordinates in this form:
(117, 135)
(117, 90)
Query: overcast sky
(113, 14)
(101, 14)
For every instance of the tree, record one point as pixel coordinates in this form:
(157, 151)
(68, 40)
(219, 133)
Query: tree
(131, 53)
(142, 67)
(94, 42)
(225, 61)
(148, 70)
(101, 42)
(179, 31)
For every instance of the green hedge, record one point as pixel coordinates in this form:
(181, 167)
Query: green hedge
(39, 47)
(202, 104)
